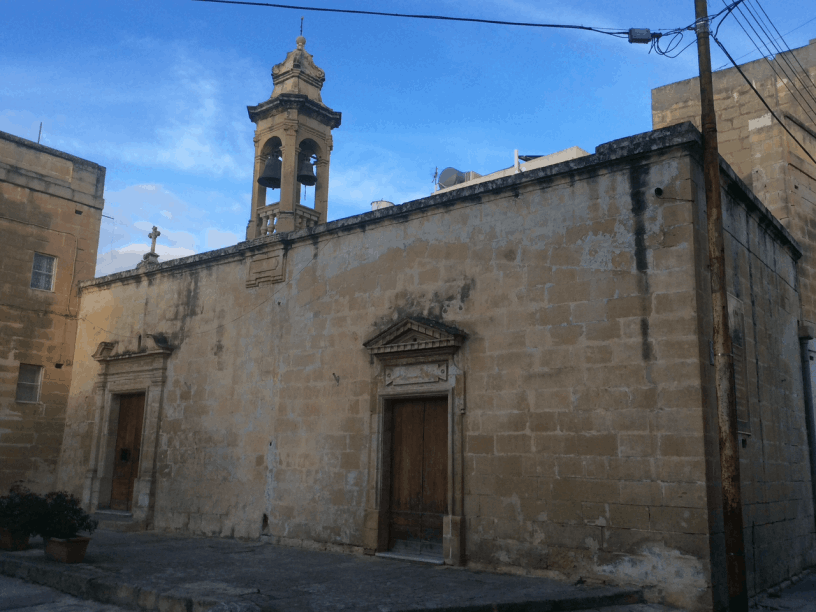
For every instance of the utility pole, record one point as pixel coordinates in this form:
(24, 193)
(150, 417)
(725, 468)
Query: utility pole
(723, 358)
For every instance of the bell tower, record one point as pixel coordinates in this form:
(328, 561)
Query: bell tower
(293, 143)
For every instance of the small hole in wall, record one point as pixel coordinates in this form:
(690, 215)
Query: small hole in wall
(658, 192)
(744, 443)
(265, 522)
(413, 340)
(139, 343)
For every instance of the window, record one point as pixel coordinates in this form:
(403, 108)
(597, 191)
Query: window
(28, 383)
(42, 276)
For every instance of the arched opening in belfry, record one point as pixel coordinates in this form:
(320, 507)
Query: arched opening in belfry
(270, 177)
(308, 159)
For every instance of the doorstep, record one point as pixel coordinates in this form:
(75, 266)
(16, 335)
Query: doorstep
(433, 560)
(118, 520)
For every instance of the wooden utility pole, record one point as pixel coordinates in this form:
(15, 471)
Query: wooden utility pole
(723, 359)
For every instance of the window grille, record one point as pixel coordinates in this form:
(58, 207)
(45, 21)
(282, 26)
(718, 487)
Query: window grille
(42, 275)
(28, 383)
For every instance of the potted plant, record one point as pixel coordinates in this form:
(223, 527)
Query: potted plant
(59, 525)
(20, 512)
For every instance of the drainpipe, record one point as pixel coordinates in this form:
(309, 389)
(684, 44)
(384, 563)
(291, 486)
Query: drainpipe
(723, 357)
(806, 334)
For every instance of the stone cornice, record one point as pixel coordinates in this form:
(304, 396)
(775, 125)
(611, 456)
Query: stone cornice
(610, 154)
(299, 102)
(429, 340)
(157, 347)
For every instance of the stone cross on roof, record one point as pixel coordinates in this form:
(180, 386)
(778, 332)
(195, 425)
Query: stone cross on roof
(154, 234)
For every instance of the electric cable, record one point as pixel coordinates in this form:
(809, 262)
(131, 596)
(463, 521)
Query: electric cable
(789, 50)
(811, 112)
(609, 31)
(780, 53)
(747, 80)
(675, 36)
(786, 33)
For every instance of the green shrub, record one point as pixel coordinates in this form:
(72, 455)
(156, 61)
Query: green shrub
(21, 511)
(63, 517)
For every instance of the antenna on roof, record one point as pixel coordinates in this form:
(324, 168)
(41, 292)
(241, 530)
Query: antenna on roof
(301, 26)
(40, 134)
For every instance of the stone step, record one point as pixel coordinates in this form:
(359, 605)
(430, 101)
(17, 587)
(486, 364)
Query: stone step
(118, 520)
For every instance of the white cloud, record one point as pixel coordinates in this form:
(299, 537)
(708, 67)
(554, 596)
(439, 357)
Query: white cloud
(216, 239)
(128, 257)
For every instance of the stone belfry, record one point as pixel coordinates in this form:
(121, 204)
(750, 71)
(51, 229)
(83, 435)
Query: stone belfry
(293, 143)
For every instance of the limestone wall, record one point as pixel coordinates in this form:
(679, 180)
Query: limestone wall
(775, 467)
(585, 434)
(41, 192)
(756, 146)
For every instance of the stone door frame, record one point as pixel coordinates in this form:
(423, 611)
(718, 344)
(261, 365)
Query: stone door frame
(413, 371)
(128, 373)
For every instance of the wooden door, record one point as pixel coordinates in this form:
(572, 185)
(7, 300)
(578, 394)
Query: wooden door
(419, 476)
(126, 454)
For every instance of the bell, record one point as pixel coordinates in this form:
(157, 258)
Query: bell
(306, 173)
(271, 175)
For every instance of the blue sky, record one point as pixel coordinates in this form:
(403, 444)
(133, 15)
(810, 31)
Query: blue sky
(156, 91)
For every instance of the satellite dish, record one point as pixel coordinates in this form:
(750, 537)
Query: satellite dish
(450, 177)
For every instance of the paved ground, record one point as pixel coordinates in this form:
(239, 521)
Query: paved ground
(19, 596)
(800, 597)
(195, 574)
(173, 573)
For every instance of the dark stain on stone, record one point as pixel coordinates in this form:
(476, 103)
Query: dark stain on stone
(638, 178)
(645, 346)
(467, 287)
(638, 181)
(432, 307)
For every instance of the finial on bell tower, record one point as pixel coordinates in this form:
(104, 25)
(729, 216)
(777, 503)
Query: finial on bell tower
(293, 128)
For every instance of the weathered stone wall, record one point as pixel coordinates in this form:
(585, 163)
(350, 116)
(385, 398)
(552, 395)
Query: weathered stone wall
(776, 486)
(41, 191)
(759, 150)
(584, 423)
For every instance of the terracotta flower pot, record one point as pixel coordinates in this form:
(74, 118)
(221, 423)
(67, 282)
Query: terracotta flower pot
(13, 541)
(71, 550)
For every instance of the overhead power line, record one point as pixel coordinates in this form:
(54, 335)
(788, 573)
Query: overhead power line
(675, 36)
(770, 110)
(785, 34)
(609, 31)
(782, 38)
(785, 77)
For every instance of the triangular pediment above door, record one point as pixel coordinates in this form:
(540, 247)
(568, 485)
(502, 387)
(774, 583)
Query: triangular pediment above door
(417, 338)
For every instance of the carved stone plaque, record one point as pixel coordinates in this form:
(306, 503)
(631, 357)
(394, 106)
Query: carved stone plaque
(266, 268)
(416, 374)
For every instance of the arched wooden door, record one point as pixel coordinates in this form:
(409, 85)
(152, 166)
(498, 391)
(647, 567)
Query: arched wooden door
(419, 476)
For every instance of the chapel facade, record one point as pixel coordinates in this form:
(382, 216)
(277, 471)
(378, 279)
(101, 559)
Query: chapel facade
(515, 374)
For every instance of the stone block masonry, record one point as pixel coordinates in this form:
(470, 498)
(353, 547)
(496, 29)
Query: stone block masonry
(50, 205)
(775, 467)
(559, 313)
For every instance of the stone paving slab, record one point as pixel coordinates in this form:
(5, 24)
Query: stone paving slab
(798, 594)
(156, 571)
(19, 596)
